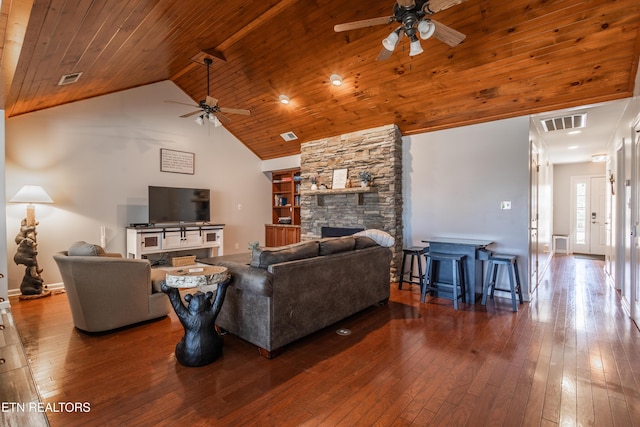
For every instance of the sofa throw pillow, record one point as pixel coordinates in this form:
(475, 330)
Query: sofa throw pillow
(264, 257)
(85, 249)
(380, 237)
(334, 245)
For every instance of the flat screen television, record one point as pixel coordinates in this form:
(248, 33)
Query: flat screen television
(179, 205)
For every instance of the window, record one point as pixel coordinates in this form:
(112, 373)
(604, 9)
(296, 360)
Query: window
(581, 214)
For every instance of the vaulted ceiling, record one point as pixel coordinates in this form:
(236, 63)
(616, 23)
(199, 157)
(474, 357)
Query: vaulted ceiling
(519, 57)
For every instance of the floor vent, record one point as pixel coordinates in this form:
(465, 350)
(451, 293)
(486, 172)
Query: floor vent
(574, 121)
(67, 79)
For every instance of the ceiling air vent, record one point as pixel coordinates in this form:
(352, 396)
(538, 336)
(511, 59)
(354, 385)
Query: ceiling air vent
(67, 79)
(289, 136)
(574, 121)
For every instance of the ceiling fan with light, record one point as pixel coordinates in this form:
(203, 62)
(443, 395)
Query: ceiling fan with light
(414, 17)
(209, 109)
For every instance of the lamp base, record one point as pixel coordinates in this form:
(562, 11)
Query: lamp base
(35, 296)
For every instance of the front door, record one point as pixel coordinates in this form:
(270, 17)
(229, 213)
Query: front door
(588, 214)
(598, 199)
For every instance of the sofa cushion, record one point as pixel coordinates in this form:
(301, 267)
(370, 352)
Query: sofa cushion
(85, 249)
(380, 237)
(334, 245)
(263, 257)
(363, 242)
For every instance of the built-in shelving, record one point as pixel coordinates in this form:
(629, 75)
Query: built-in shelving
(286, 187)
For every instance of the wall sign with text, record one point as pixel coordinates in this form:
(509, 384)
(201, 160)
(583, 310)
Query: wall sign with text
(177, 161)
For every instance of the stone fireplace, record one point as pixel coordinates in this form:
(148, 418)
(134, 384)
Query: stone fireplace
(378, 151)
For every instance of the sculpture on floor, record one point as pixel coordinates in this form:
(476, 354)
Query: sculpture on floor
(32, 285)
(26, 254)
(201, 343)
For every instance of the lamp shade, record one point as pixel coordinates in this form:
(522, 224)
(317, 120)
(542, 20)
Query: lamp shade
(31, 194)
(391, 41)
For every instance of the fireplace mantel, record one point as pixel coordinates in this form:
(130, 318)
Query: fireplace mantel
(320, 194)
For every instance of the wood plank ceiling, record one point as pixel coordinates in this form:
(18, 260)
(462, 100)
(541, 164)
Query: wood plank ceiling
(519, 57)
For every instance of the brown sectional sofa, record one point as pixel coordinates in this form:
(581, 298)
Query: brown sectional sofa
(288, 292)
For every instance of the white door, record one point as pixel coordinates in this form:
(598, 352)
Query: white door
(633, 297)
(598, 199)
(588, 214)
(533, 217)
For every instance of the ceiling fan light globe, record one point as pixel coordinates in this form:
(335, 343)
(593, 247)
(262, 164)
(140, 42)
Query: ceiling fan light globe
(426, 29)
(415, 48)
(391, 41)
(199, 120)
(216, 122)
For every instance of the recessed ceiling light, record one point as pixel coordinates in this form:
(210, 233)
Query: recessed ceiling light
(574, 132)
(599, 158)
(284, 99)
(573, 147)
(335, 79)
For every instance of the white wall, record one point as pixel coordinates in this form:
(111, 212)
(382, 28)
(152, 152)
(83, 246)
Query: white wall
(4, 294)
(455, 179)
(96, 158)
(562, 174)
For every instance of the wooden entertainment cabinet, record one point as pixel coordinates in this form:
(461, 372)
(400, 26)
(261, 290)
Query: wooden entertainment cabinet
(142, 241)
(285, 212)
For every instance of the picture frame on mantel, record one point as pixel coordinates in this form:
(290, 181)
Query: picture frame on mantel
(175, 161)
(339, 178)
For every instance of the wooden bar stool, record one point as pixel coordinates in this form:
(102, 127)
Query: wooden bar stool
(509, 261)
(435, 286)
(416, 254)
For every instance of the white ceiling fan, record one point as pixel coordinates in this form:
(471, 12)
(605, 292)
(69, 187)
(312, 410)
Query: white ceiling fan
(209, 109)
(414, 17)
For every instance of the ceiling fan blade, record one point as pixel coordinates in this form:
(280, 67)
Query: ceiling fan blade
(193, 113)
(384, 54)
(235, 111)
(211, 102)
(438, 5)
(447, 34)
(363, 24)
(406, 3)
(222, 117)
(181, 103)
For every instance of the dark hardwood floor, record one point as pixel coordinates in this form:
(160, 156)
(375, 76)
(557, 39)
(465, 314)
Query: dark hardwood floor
(570, 357)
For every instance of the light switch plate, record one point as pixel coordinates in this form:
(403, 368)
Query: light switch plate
(505, 205)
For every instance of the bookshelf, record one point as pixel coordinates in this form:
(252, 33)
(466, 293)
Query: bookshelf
(285, 211)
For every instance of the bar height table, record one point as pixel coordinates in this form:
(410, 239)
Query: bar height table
(472, 264)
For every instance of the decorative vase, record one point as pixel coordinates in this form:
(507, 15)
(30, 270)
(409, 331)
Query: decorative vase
(314, 187)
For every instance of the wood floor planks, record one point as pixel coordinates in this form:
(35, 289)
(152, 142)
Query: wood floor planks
(570, 357)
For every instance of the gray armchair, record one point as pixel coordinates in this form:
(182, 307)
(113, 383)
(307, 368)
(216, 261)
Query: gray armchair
(107, 292)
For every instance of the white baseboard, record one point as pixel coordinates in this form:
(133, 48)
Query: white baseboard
(50, 287)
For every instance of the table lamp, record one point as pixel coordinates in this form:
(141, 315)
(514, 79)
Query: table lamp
(32, 285)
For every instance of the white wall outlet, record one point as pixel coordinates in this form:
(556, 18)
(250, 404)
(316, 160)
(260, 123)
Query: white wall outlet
(239, 206)
(505, 205)
(237, 245)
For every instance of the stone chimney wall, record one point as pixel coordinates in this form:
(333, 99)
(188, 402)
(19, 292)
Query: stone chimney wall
(378, 151)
